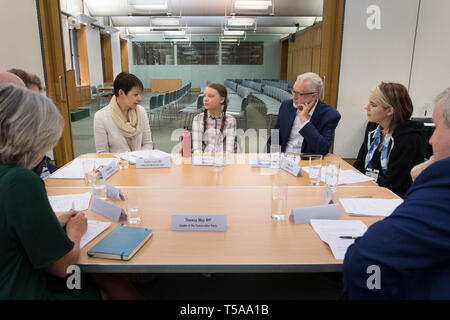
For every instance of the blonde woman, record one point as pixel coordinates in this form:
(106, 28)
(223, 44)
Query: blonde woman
(123, 124)
(392, 144)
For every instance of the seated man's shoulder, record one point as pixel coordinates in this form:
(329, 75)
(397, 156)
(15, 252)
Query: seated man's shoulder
(437, 171)
(329, 110)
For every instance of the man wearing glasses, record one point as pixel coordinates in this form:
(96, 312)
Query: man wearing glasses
(306, 124)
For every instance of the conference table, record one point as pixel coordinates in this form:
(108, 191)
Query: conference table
(252, 243)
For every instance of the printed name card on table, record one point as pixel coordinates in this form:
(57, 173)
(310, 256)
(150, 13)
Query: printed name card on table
(329, 210)
(291, 165)
(199, 222)
(208, 161)
(152, 162)
(108, 210)
(304, 215)
(260, 162)
(109, 170)
(113, 192)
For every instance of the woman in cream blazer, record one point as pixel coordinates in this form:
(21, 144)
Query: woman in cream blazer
(123, 124)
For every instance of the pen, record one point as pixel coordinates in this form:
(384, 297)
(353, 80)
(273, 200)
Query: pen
(361, 196)
(347, 237)
(73, 205)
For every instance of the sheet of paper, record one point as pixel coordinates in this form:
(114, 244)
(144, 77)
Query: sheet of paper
(64, 203)
(94, 229)
(132, 156)
(74, 170)
(159, 154)
(345, 176)
(331, 230)
(370, 206)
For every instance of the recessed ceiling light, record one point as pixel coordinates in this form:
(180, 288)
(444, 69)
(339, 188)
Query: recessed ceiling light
(165, 21)
(234, 21)
(149, 4)
(233, 32)
(252, 5)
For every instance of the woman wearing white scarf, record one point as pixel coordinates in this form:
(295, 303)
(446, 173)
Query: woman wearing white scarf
(123, 124)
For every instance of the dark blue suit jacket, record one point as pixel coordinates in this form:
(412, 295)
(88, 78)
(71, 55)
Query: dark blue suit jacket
(318, 134)
(410, 247)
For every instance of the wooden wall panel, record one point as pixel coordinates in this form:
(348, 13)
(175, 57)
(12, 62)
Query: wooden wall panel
(284, 47)
(55, 70)
(333, 17)
(124, 55)
(108, 75)
(73, 100)
(164, 85)
(303, 55)
(83, 59)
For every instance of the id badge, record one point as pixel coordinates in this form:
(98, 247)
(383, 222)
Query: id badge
(373, 173)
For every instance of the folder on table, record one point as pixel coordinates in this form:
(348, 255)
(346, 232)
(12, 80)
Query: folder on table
(121, 243)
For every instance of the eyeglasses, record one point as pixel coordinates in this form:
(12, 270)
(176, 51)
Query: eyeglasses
(295, 93)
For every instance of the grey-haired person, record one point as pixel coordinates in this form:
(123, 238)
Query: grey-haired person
(36, 245)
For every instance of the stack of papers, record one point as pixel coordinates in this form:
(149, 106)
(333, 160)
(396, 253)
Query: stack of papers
(345, 176)
(74, 170)
(94, 229)
(330, 232)
(66, 202)
(131, 157)
(370, 207)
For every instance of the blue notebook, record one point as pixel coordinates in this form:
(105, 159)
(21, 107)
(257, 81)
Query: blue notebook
(121, 243)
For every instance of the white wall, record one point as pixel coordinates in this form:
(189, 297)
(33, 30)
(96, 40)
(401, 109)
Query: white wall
(116, 57)
(21, 46)
(369, 57)
(431, 65)
(94, 55)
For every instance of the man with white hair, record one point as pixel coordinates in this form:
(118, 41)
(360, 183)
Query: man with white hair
(407, 255)
(306, 124)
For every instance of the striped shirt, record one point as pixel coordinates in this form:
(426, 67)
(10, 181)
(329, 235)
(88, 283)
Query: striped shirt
(213, 140)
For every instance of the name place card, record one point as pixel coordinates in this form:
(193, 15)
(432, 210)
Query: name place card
(109, 170)
(199, 222)
(151, 162)
(208, 161)
(260, 162)
(108, 210)
(113, 192)
(291, 166)
(304, 215)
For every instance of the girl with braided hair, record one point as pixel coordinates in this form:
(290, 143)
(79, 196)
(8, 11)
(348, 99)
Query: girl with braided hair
(213, 129)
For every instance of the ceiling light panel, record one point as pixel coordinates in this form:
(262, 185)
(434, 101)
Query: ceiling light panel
(175, 33)
(234, 21)
(149, 4)
(252, 5)
(165, 21)
(234, 32)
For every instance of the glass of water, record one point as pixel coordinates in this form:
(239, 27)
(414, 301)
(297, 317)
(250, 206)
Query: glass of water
(279, 202)
(218, 153)
(134, 211)
(275, 154)
(315, 169)
(88, 170)
(332, 168)
(99, 186)
(123, 163)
